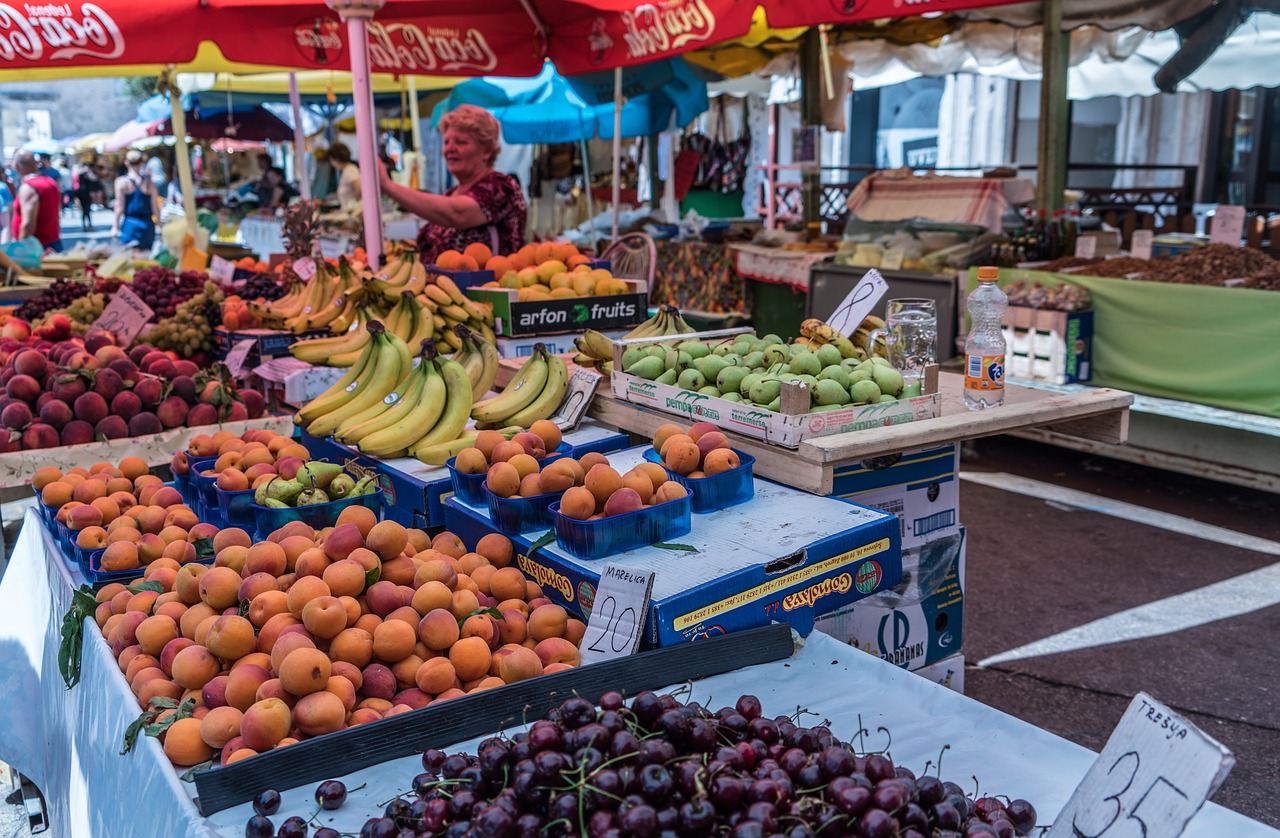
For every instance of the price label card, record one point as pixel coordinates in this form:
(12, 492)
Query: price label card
(124, 316)
(305, 268)
(237, 355)
(1228, 224)
(331, 247)
(222, 269)
(1140, 246)
(617, 617)
(1155, 773)
(1086, 247)
(893, 258)
(582, 389)
(858, 303)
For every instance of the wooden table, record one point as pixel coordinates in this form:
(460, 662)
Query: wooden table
(1098, 414)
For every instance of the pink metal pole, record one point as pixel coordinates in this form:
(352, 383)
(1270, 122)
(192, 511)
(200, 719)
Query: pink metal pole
(366, 134)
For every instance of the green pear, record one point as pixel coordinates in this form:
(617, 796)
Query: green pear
(806, 363)
(318, 474)
(311, 497)
(828, 355)
(776, 354)
(730, 379)
(829, 392)
(285, 491)
(691, 379)
(838, 374)
(888, 380)
(696, 349)
(710, 390)
(864, 392)
(710, 366)
(668, 377)
(341, 486)
(272, 503)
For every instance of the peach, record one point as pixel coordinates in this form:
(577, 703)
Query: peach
(379, 682)
(320, 713)
(194, 666)
(243, 684)
(520, 665)
(220, 725)
(183, 744)
(265, 723)
(304, 671)
(231, 637)
(547, 621)
(557, 650)
(383, 598)
(325, 616)
(411, 697)
(362, 518)
(470, 658)
(449, 544)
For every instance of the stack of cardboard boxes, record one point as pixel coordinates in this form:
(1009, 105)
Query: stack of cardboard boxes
(919, 624)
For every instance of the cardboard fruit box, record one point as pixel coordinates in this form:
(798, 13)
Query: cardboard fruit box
(570, 314)
(790, 426)
(784, 556)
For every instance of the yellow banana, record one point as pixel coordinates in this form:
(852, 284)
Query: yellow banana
(341, 390)
(595, 344)
(438, 294)
(386, 413)
(455, 312)
(453, 421)
(489, 353)
(328, 351)
(550, 397)
(451, 288)
(382, 376)
(518, 395)
(393, 440)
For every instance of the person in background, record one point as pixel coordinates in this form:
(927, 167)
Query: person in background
(276, 191)
(135, 205)
(156, 172)
(339, 157)
(484, 206)
(86, 187)
(39, 207)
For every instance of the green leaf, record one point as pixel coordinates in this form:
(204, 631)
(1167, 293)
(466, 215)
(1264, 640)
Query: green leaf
(243, 610)
(372, 576)
(190, 775)
(83, 604)
(491, 611)
(186, 709)
(151, 585)
(543, 540)
(204, 548)
(164, 702)
(135, 727)
(682, 547)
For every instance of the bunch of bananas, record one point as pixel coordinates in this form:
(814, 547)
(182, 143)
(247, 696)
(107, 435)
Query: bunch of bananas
(815, 334)
(596, 349)
(534, 393)
(479, 358)
(411, 303)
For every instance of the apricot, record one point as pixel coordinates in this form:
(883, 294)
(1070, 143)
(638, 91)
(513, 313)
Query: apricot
(214, 693)
(182, 552)
(592, 459)
(530, 485)
(555, 478)
(287, 642)
(362, 518)
(138, 663)
(154, 632)
(670, 491)
(638, 481)
(682, 457)
(243, 684)
(547, 621)
(448, 695)
(44, 476)
(579, 502)
(122, 555)
(194, 666)
(557, 650)
(482, 626)
(574, 631)
(379, 682)
(344, 578)
(520, 665)
(663, 433)
(353, 646)
(183, 743)
(602, 481)
(265, 723)
(239, 754)
(56, 494)
(363, 716)
(404, 670)
(142, 601)
(524, 464)
(352, 607)
(503, 479)
(255, 584)
(513, 627)
(449, 544)
(674, 439)
(470, 658)
(464, 604)
(439, 629)
(266, 557)
(549, 432)
(220, 725)
(220, 587)
(394, 640)
(268, 604)
(721, 460)
(304, 671)
(194, 616)
(436, 570)
(305, 589)
(231, 537)
(231, 637)
(325, 616)
(320, 713)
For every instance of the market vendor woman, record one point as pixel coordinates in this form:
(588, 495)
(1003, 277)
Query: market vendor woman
(485, 206)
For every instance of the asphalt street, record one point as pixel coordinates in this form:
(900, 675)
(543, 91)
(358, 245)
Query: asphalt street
(1039, 568)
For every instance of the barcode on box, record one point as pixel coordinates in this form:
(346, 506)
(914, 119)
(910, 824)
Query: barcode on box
(894, 507)
(937, 521)
(975, 366)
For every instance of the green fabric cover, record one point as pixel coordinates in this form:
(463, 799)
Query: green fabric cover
(1197, 343)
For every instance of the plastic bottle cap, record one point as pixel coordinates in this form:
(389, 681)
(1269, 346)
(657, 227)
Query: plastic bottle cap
(988, 274)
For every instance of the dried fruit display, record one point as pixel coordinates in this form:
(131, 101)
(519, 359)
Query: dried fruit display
(1119, 266)
(1065, 297)
(1211, 264)
(1064, 262)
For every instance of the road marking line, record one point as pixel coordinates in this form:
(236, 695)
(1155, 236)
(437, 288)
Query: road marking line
(1242, 594)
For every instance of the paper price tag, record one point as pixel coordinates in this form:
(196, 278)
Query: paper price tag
(1086, 247)
(617, 617)
(582, 389)
(1140, 245)
(124, 316)
(331, 247)
(222, 269)
(305, 268)
(858, 303)
(1155, 773)
(1228, 224)
(237, 355)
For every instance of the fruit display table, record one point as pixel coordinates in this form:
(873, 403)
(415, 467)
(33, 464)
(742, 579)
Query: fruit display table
(67, 742)
(1100, 414)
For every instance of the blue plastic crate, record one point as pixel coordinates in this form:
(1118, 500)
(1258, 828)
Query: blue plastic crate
(470, 487)
(517, 515)
(236, 508)
(719, 491)
(94, 573)
(620, 533)
(464, 279)
(317, 516)
(182, 482)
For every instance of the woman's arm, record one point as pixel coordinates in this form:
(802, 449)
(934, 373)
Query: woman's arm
(457, 211)
(121, 200)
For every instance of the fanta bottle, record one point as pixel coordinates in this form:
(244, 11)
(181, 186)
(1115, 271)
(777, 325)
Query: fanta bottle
(984, 349)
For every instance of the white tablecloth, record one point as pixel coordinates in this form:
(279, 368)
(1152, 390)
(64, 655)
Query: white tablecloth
(68, 742)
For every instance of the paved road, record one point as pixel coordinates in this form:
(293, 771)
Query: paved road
(1041, 564)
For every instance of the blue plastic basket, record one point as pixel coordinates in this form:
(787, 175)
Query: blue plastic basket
(182, 482)
(206, 489)
(236, 508)
(317, 516)
(94, 573)
(517, 515)
(470, 487)
(720, 491)
(619, 533)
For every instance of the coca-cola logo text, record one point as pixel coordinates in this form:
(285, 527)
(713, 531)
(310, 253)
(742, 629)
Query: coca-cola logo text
(319, 39)
(402, 47)
(655, 29)
(67, 34)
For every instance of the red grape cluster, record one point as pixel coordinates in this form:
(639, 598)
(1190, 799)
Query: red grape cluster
(164, 291)
(57, 296)
(662, 768)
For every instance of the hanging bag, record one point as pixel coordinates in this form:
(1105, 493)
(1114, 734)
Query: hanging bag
(737, 157)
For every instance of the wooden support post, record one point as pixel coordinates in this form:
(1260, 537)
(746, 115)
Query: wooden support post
(655, 182)
(811, 114)
(1051, 157)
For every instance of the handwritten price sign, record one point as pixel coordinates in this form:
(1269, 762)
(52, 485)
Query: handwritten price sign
(858, 303)
(124, 316)
(1156, 772)
(617, 617)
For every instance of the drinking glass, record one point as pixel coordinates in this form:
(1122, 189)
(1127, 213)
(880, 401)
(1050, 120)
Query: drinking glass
(911, 338)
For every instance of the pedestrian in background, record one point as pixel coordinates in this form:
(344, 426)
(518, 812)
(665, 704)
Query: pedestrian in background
(39, 206)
